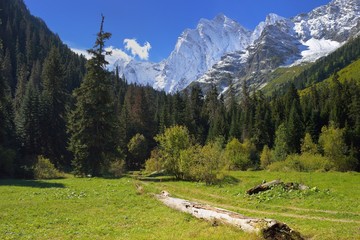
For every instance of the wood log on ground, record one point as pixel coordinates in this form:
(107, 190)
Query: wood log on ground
(264, 187)
(267, 228)
(267, 186)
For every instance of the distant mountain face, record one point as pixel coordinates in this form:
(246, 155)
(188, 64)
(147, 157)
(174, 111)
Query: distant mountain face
(221, 49)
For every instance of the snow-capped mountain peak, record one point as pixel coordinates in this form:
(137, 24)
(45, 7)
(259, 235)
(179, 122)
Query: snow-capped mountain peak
(222, 46)
(273, 18)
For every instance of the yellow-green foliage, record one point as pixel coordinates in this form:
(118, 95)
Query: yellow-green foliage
(306, 162)
(332, 141)
(171, 142)
(190, 162)
(266, 157)
(154, 163)
(117, 168)
(44, 169)
(211, 163)
(202, 163)
(308, 146)
(238, 155)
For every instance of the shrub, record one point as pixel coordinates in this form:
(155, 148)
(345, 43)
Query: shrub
(44, 169)
(308, 146)
(117, 168)
(138, 149)
(238, 155)
(210, 164)
(266, 157)
(315, 162)
(302, 163)
(171, 142)
(332, 141)
(190, 163)
(154, 163)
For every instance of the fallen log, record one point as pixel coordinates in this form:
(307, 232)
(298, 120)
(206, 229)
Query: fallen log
(268, 185)
(267, 228)
(264, 187)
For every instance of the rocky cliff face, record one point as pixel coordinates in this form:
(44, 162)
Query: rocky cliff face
(221, 49)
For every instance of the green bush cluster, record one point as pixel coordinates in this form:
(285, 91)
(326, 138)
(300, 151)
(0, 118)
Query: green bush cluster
(177, 155)
(44, 169)
(305, 162)
(330, 154)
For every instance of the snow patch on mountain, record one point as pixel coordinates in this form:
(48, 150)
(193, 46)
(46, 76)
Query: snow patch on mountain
(219, 48)
(314, 49)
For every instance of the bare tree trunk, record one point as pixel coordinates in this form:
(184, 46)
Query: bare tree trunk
(267, 228)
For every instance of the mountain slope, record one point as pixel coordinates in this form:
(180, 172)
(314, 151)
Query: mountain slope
(220, 49)
(195, 52)
(27, 41)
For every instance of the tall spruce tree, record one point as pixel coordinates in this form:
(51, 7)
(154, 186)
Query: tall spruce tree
(295, 127)
(55, 99)
(93, 123)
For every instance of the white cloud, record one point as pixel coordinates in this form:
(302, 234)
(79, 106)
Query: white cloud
(136, 49)
(116, 54)
(81, 52)
(131, 45)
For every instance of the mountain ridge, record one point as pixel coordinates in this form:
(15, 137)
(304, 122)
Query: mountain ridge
(222, 47)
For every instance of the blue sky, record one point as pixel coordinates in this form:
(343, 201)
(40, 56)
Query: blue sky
(155, 24)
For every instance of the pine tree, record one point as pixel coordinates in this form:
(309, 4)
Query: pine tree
(233, 114)
(28, 124)
(55, 98)
(194, 117)
(93, 124)
(281, 148)
(263, 132)
(295, 127)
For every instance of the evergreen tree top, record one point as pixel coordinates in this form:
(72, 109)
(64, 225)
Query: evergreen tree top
(98, 49)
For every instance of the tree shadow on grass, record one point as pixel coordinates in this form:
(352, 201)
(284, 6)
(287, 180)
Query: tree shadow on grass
(229, 180)
(158, 179)
(30, 183)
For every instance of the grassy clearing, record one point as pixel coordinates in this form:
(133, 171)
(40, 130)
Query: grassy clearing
(94, 208)
(76, 208)
(330, 210)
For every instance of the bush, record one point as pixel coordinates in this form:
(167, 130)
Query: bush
(154, 163)
(266, 157)
(239, 155)
(44, 169)
(315, 162)
(332, 141)
(203, 163)
(302, 163)
(117, 168)
(171, 143)
(138, 148)
(189, 163)
(211, 165)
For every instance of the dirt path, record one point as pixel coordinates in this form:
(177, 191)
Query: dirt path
(265, 213)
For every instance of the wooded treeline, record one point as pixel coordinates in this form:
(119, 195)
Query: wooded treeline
(84, 118)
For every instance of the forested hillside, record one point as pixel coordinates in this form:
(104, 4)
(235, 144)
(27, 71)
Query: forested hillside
(82, 117)
(38, 74)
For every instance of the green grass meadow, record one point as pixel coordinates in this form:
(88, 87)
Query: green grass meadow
(95, 208)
